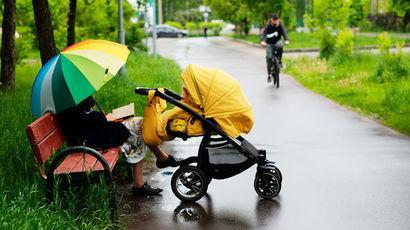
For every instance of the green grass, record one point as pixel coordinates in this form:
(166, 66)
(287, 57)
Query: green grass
(22, 189)
(309, 40)
(351, 83)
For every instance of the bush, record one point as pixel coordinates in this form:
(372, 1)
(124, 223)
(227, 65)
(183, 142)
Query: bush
(309, 22)
(216, 27)
(391, 66)
(175, 24)
(134, 35)
(23, 43)
(191, 26)
(383, 43)
(344, 45)
(327, 43)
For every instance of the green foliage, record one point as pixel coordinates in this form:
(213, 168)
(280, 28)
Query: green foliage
(22, 204)
(191, 26)
(237, 12)
(329, 16)
(384, 43)
(309, 22)
(356, 13)
(177, 25)
(344, 45)
(24, 43)
(392, 66)
(400, 7)
(216, 27)
(333, 14)
(134, 34)
(327, 43)
(312, 40)
(351, 83)
(182, 10)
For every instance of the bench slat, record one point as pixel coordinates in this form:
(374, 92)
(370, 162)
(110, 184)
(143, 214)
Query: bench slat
(111, 156)
(80, 162)
(48, 145)
(41, 128)
(68, 164)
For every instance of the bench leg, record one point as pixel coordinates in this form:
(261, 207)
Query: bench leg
(113, 200)
(50, 189)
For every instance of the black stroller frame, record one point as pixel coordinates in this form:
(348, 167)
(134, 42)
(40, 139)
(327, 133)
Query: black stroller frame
(190, 183)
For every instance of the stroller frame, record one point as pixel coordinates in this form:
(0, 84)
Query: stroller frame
(195, 179)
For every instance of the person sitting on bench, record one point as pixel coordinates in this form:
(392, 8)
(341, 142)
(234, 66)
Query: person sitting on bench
(84, 126)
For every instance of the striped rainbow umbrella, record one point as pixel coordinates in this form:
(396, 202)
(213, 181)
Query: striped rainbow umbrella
(74, 74)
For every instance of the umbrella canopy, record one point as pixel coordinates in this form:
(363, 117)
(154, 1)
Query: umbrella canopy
(74, 74)
(220, 96)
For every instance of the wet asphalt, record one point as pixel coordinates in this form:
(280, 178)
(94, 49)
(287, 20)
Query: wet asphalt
(340, 170)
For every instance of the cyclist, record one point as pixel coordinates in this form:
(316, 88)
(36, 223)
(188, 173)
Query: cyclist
(271, 39)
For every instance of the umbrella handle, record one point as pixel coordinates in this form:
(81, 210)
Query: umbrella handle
(98, 106)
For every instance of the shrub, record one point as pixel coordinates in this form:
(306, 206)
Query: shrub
(175, 24)
(392, 65)
(23, 43)
(216, 27)
(191, 26)
(344, 44)
(134, 35)
(327, 43)
(383, 43)
(309, 22)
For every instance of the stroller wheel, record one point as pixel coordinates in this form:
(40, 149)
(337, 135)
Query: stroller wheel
(275, 170)
(189, 183)
(267, 185)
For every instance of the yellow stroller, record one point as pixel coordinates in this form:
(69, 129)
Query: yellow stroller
(214, 106)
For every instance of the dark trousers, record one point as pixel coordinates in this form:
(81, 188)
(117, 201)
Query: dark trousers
(273, 49)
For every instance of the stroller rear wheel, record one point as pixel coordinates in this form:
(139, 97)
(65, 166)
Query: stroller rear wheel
(189, 183)
(267, 185)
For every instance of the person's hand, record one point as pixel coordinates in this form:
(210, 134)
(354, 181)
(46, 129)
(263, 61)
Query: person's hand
(286, 42)
(263, 43)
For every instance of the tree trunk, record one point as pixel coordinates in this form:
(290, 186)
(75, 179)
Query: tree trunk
(71, 22)
(44, 28)
(7, 79)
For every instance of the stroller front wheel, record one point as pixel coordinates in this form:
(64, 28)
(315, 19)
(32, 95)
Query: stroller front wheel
(267, 185)
(189, 183)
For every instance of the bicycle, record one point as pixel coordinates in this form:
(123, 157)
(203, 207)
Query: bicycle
(276, 66)
(275, 69)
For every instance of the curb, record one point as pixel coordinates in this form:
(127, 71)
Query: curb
(307, 50)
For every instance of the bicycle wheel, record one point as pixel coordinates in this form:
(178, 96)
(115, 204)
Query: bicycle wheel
(276, 73)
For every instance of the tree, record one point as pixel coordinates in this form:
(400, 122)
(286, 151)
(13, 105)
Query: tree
(234, 11)
(7, 45)
(44, 28)
(402, 9)
(329, 16)
(356, 16)
(71, 22)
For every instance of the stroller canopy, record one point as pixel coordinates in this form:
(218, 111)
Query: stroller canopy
(220, 97)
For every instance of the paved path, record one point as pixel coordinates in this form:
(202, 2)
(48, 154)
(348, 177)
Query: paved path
(341, 171)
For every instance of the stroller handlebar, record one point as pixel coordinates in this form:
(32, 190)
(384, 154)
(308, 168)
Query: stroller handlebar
(144, 91)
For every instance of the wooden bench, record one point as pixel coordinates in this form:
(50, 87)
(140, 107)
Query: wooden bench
(46, 137)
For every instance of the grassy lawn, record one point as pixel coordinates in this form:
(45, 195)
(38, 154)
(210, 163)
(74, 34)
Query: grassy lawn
(351, 84)
(21, 189)
(309, 40)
